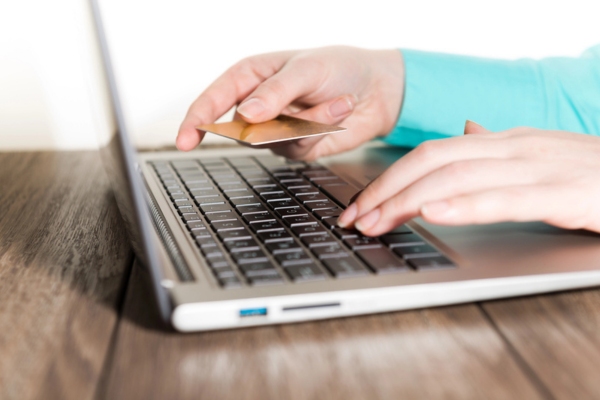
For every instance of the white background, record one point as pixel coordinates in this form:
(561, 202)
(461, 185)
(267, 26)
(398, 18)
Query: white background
(166, 52)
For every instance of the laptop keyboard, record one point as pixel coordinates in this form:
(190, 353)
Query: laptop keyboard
(264, 221)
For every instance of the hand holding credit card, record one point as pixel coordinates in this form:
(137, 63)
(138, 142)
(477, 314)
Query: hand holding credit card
(280, 129)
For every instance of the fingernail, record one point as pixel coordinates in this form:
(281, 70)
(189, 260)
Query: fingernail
(251, 108)
(347, 217)
(368, 221)
(436, 209)
(340, 107)
(476, 125)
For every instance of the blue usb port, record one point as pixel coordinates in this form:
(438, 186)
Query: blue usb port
(253, 312)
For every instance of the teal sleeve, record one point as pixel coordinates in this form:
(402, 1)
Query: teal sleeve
(442, 91)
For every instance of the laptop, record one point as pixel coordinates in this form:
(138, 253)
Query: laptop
(238, 237)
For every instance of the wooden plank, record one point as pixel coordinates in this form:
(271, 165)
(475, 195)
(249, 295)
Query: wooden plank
(558, 336)
(64, 259)
(450, 352)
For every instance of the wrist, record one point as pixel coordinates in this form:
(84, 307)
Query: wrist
(390, 84)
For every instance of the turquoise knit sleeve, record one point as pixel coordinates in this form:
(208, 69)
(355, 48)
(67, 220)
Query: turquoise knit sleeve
(442, 91)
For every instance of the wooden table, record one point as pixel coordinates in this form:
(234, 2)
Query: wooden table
(78, 322)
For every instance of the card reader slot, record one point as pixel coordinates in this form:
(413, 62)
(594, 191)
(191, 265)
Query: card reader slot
(311, 306)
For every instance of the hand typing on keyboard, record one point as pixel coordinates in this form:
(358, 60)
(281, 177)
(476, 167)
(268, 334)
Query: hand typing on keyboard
(358, 89)
(521, 174)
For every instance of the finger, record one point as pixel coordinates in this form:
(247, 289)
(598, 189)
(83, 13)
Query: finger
(331, 112)
(473, 127)
(547, 203)
(426, 158)
(459, 178)
(230, 88)
(293, 81)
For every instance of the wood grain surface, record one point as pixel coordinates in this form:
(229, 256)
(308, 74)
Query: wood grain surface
(449, 352)
(63, 262)
(558, 337)
(75, 325)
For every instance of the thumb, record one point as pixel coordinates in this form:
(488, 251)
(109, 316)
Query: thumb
(473, 127)
(273, 95)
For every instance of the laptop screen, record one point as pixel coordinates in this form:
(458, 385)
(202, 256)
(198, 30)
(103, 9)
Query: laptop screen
(121, 164)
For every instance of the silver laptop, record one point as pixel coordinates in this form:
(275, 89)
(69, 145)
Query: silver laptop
(239, 237)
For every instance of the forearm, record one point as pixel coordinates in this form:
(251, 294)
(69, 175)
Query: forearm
(442, 91)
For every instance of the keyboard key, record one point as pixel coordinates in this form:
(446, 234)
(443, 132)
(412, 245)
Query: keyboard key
(234, 234)
(274, 196)
(258, 269)
(284, 212)
(213, 254)
(309, 198)
(222, 216)
(402, 239)
(249, 256)
(295, 183)
(204, 192)
(362, 242)
(265, 280)
(191, 217)
(264, 183)
(237, 192)
(293, 258)
(431, 263)
(318, 240)
(206, 241)
(382, 261)
(305, 272)
(298, 220)
(183, 203)
(220, 265)
(195, 183)
(186, 210)
(248, 200)
(251, 209)
(303, 191)
(285, 174)
(344, 267)
(321, 205)
(176, 197)
(274, 236)
(195, 225)
(264, 226)
(200, 233)
(198, 185)
(305, 230)
(277, 204)
(207, 200)
(283, 247)
(419, 250)
(332, 212)
(258, 217)
(332, 250)
(265, 190)
(241, 245)
(227, 225)
(330, 222)
(343, 233)
(215, 208)
(254, 174)
(229, 184)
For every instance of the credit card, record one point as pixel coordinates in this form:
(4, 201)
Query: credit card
(279, 129)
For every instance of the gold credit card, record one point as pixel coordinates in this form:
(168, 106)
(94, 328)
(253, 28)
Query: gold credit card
(279, 129)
